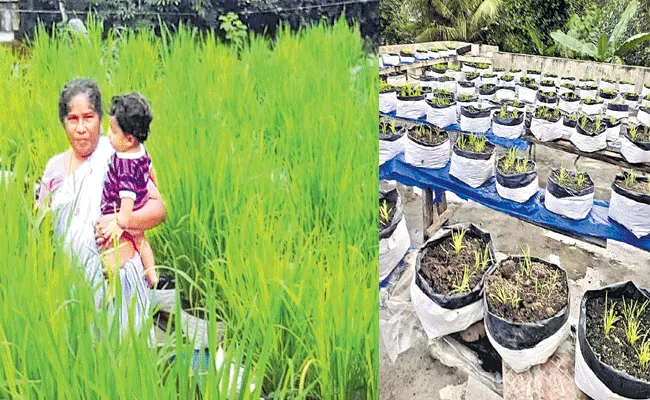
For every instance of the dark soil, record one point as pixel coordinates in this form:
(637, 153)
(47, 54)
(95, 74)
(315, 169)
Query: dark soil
(638, 186)
(399, 129)
(533, 306)
(530, 167)
(435, 139)
(590, 127)
(615, 351)
(571, 182)
(643, 134)
(441, 266)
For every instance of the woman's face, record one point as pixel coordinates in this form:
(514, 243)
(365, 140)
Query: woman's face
(82, 124)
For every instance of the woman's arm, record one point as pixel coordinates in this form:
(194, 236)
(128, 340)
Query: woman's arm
(152, 214)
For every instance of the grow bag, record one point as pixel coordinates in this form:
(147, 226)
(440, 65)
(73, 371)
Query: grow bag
(567, 79)
(487, 92)
(414, 107)
(406, 58)
(471, 168)
(646, 90)
(394, 240)
(444, 83)
(588, 143)
(544, 130)
(644, 116)
(546, 99)
(517, 187)
(630, 209)
(613, 130)
(631, 101)
(547, 88)
(569, 106)
(421, 55)
(493, 80)
(390, 145)
(618, 111)
(426, 155)
(604, 85)
(525, 344)
(396, 79)
(568, 125)
(461, 104)
(585, 92)
(465, 88)
(433, 54)
(626, 87)
(561, 90)
(474, 121)
(516, 75)
(388, 101)
(509, 128)
(504, 83)
(527, 95)
(467, 68)
(535, 76)
(505, 93)
(441, 315)
(457, 75)
(595, 378)
(441, 115)
(587, 82)
(390, 59)
(634, 152)
(593, 109)
(573, 204)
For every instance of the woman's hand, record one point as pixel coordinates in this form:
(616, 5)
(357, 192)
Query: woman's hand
(107, 231)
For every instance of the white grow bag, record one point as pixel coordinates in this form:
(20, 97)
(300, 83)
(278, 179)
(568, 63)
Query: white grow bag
(633, 153)
(414, 109)
(442, 117)
(644, 117)
(388, 102)
(569, 107)
(592, 109)
(473, 172)
(390, 59)
(393, 248)
(546, 131)
(388, 149)
(419, 155)
(632, 214)
(587, 143)
(576, 206)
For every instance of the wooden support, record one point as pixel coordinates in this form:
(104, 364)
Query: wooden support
(434, 216)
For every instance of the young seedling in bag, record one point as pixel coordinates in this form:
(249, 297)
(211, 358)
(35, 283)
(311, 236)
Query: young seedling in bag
(477, 142)
(630, 178)
(526, 265)
(462, 142)
(631, 313)
(462, 286)
(500, 294)
(457, 240)
(599, 120)
(503, 111)
(509, 161)
(643, 354)
(522, 165)
(562, 176)
(384, 212)
(581, 179)
(609, 318)
(383, 85)
(612, 120)
(634, 132)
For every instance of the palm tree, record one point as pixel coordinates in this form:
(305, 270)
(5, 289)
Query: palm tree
(607, 49)
(461, 20)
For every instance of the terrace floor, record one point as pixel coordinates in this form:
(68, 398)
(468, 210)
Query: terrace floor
(416, 374)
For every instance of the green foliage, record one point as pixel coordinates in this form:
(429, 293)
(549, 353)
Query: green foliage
(137, 14)
(236, 31)
(609, 318)
(464, 20)
(457, 240)
(394, 22)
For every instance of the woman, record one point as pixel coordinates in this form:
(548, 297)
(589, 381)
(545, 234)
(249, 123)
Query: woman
(72, 185)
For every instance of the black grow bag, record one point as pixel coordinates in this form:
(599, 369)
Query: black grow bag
(496, 118)
(645, 146)
(411, 98)
(466, 84)
(391, 198)
(487, 89)
(427, 78)
(526, 335)
(607, 96)
(562, 192)
(405, 54)
(631, 96)
(464, 111)
(516, 180)
(568, 122)
(457, 300)
(581, 130)
(386, 91)
(623, 191)
(564, 97)
(435, 105)
(610, 124)
(489, 147)
(390, 136)
(426, 144)
(547, 98)
(618, 382)
(618, 107)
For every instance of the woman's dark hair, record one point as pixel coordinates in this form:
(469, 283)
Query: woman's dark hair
(80, 86)
(133, 114)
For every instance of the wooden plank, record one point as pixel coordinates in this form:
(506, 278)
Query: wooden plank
(428, 211)
(609, 155)
(438, 223)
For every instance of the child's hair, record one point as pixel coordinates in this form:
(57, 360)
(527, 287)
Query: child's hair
(133, 114)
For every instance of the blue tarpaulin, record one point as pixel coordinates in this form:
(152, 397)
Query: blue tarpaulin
(519, 143)
(596, 225)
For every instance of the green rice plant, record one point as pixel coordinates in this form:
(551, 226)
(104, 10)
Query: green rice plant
(503, 112)
(477, 143)
(599, 120)
(462, 142)
(461, 283)
(630, 178)
(383, 85)
(581, 179)
(510, 159)
(522, 165)
(634, 131)
(384, 212)
(643, 353)
(609, 318)
(499, 293)
(263, 226)
(583, 120)
(526, 264)
(631, 313)
(464, 97)
(562, 176)
(457, 240)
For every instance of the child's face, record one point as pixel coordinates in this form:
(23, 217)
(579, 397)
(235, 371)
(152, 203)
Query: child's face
(119, 140)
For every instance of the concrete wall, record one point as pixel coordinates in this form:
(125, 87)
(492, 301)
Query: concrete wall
(396, 48)
(576, 68)
(9, 19)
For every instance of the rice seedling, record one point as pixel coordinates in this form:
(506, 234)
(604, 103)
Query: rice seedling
(631, 313)
(599, 121)
(457, 240)
(510, 159)
(522, 165)
(384, 212)
(477, 143)
(609, 318)
(526, 264)
(562, 175)
(499, 293)
(581, 179)
(643, 353)
(461, 284)
(262, 225)
(462, 142)
(630, 178)
(634, 131)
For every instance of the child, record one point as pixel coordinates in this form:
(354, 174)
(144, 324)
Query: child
(125, 188)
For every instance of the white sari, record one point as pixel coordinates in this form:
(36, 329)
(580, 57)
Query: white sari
(75, 202)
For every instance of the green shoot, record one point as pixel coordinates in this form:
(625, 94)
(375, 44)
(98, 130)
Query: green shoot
(510, 159)
(609, 318)
(630, 178)
(562, 176)
(522, 165)
(634, 132)
(457, 240)
(581, 178)
(499, 293)
(643, 353)
(462, 142)
(631, 313)
(384, 212)
(461, 285)
(503, 111)
(526, 265)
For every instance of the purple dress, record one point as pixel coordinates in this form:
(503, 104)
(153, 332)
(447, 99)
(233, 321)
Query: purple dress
(128, 175)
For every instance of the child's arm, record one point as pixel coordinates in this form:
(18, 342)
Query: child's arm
(126, 211)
